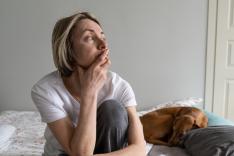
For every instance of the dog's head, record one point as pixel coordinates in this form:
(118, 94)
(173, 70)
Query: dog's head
(187, 119)
(183, 124)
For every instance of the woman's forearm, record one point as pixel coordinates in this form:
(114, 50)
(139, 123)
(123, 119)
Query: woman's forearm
(84, 136)
(135, 130)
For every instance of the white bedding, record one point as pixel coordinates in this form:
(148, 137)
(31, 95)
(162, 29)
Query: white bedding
(29, 137)
(159, 150)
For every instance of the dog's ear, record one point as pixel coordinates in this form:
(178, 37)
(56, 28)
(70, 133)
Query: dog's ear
(201, 122)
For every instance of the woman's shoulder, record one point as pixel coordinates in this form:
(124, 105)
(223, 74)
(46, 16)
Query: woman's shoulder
(48, 81)
(115, 78)
(112, 76)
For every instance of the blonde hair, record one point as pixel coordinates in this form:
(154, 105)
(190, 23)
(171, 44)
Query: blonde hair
(61, 41)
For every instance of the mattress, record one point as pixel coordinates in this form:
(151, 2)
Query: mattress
(29, 140)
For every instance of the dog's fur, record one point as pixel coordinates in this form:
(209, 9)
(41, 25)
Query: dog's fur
(166, 126)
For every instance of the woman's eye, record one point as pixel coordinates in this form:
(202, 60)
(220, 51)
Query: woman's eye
(89, 39)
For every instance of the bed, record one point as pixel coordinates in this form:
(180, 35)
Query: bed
(28, 138)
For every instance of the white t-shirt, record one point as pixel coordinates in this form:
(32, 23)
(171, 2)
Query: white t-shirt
(54, 102)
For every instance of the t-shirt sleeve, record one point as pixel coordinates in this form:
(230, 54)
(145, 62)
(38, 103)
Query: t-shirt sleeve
(46, 104)
(127, 96)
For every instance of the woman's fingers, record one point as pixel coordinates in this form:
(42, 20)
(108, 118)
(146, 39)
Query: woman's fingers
(106, 64)
(93, 79)
(100, 60)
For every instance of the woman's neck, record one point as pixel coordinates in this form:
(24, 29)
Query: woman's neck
(72, 84)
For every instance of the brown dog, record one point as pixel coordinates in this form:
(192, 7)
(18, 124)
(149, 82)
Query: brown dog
(166, 126)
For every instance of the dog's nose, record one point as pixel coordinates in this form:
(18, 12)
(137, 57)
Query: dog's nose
(181, 135)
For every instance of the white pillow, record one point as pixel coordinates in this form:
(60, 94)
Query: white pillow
(6, 132)
(5, 146)
(187, 102)
(191, 101)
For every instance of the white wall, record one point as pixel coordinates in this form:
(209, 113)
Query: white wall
(159, 46)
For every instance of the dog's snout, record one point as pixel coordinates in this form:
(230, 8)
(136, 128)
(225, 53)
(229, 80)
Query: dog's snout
(181, 135)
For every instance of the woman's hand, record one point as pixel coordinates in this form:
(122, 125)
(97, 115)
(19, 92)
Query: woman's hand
(93, 79)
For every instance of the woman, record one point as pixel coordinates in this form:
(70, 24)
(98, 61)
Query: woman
(88, 109)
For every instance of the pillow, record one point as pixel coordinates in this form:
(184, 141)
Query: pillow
(191, 101)
(187, 102)
(6, 132)
(214, 120)
(210, 141)
(4, 147)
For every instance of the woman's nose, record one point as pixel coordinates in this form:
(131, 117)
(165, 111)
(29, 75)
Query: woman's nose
(102, 44)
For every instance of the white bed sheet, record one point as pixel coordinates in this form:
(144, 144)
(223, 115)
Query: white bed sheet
(29, 137)
(167, 151)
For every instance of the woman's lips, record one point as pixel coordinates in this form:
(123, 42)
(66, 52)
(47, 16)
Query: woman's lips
(99, 54)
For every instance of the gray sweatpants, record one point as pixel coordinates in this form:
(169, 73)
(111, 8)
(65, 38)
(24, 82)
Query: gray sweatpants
(112, 127)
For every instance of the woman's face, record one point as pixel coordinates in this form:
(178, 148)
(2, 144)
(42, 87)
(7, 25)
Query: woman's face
(88, 42)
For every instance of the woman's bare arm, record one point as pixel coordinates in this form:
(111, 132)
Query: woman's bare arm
(80, 140)
(84, 137)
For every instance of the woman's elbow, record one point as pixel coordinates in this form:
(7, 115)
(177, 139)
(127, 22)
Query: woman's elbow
(84, 153)
(81, 151)
(142, 149)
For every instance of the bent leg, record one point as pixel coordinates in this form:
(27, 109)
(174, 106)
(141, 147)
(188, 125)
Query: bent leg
(112, 126)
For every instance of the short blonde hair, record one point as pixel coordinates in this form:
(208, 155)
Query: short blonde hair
(61, 41)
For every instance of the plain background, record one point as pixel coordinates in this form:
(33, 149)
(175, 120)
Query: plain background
(158, 46)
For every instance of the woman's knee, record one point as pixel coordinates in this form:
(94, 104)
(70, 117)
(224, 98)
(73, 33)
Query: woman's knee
(113, 113)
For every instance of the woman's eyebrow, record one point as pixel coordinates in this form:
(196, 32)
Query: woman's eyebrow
(91, 30)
